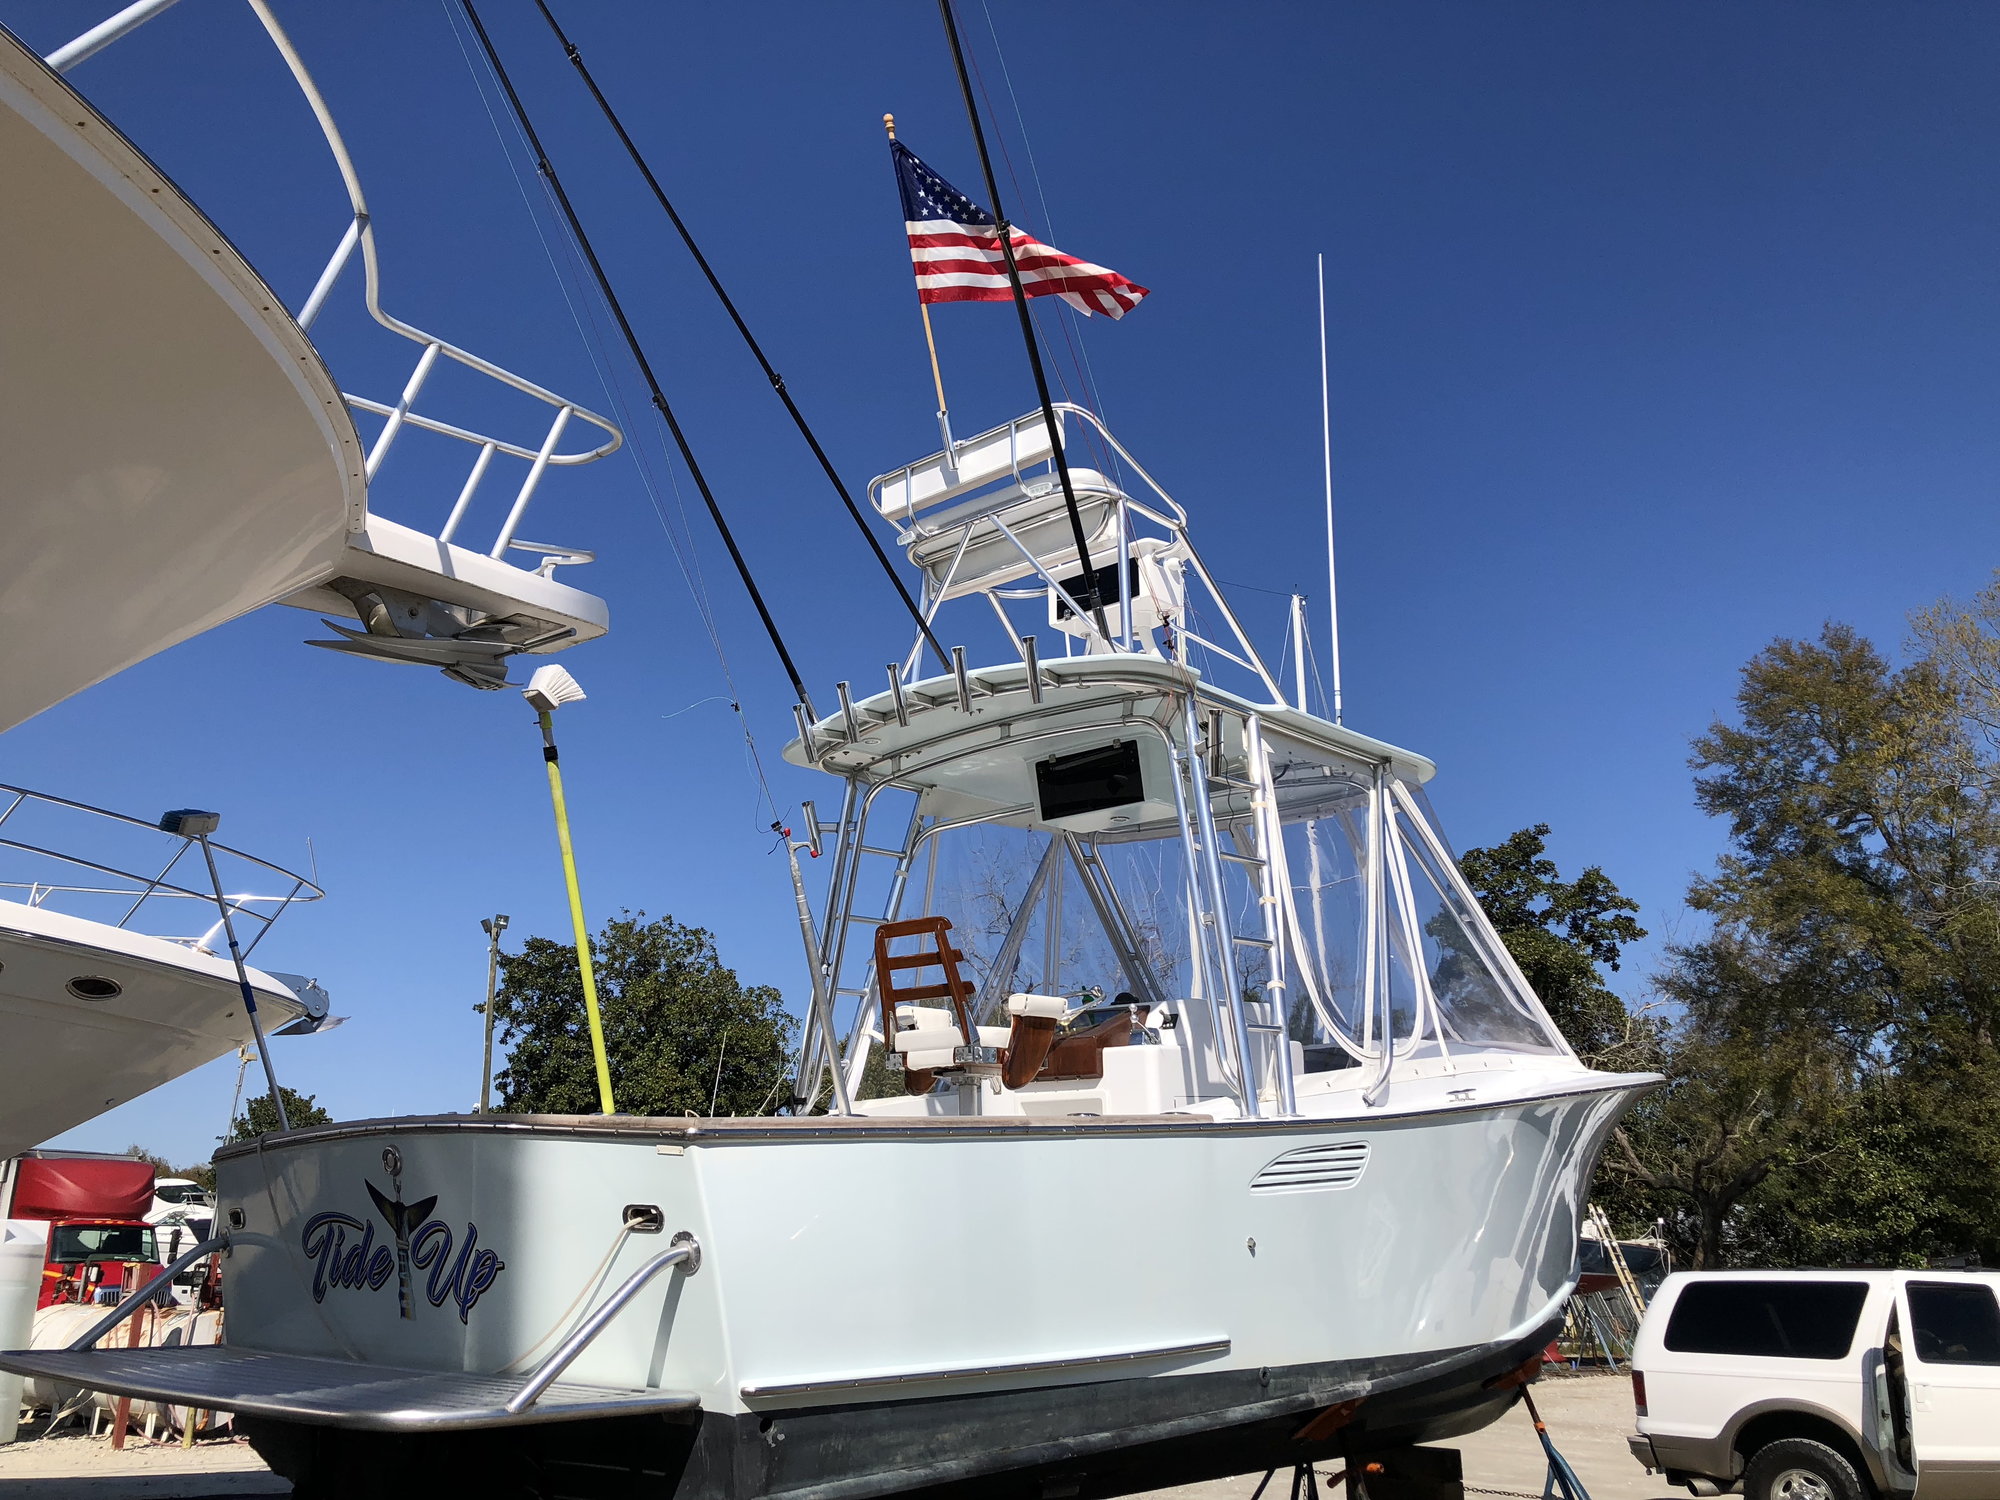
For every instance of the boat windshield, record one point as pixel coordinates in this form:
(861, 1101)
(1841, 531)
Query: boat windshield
(1447, 978)
(1103, 919)
(1057, 913)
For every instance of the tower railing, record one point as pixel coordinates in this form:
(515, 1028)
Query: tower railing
(540, 453)
(53, 856)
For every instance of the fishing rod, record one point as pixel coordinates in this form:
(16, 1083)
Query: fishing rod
(659, 398)
(1005, 229)
(729, 306)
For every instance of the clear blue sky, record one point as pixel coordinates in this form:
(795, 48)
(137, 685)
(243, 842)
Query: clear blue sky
(1658, 331)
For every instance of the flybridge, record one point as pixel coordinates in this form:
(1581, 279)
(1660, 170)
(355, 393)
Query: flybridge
(1264, 892)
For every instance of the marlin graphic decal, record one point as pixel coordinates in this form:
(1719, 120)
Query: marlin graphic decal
(404, 1219)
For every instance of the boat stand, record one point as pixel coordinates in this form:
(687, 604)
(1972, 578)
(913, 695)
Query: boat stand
(1562, 1483)
(1305, 1484)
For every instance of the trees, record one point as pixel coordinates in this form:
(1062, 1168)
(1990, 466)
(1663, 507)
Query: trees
(1559, 932)
(260, 1116)
(681, 1032)
(1832, 1092)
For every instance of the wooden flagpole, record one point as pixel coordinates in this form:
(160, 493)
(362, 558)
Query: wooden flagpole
(930, 341)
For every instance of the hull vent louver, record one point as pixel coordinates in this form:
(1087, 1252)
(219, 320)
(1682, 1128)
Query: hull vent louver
(1313, 1168)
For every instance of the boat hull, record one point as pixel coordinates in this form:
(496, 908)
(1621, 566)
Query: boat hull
(885, 1305)
(68, 1058)
(1102, 1438)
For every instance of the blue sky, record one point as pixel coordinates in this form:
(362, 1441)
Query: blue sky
(1657, 331)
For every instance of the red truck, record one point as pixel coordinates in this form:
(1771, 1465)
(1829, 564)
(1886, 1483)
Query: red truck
(99, 1241)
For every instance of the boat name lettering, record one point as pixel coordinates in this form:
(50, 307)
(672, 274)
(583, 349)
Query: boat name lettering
(336, 1262)
(345, 1255)
(470, 1274)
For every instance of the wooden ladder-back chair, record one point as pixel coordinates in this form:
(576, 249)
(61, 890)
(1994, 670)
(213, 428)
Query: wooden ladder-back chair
(896, 981)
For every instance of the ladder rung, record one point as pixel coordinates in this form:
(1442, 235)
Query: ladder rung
(1255, 942)
(1241, 859)
(885, 853)
(923, 960)
(871, 921)
(925, 992)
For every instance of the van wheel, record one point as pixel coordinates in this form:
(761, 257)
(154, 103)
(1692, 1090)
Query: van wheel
(1801, 1469)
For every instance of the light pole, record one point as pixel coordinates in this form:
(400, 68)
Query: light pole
(548, 690)
(192, 823)
(492, 927)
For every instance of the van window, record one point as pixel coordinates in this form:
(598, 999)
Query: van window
(1954, 1323)
(1777, 1319)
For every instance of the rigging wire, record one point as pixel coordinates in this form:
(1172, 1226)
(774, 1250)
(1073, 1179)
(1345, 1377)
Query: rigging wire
(679, 543)
(1004, 233)
(1065, 315)
(1067, 318)
(756, 350)
(659, 398)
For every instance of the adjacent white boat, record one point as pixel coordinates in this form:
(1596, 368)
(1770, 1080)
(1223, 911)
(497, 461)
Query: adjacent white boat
(1217, 1131)
(178, 454)
(114, 975)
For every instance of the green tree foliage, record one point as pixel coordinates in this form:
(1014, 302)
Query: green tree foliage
(1833, 1093)
(260, 1116)
(1561, 932)
(683, 1035)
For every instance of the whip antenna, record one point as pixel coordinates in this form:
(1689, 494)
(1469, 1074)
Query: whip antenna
(1326, 464)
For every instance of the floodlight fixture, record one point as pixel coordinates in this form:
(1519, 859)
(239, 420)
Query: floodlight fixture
(190, 822)
(493, 926)
(550, 688)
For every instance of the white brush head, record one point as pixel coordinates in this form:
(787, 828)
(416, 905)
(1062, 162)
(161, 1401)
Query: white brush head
(550, 688)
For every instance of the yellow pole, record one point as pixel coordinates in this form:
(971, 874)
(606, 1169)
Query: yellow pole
(605, 1106)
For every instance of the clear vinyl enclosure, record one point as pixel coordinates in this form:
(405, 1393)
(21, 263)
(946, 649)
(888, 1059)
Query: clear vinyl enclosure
(1370, 930)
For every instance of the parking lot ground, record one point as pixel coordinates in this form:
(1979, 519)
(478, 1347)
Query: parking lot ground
(1588, 1416)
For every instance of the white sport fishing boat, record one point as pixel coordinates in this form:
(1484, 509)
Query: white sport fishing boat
(178, 454)
(1215, 1129)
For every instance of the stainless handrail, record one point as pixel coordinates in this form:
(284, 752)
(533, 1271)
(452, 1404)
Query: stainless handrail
(139, 1298)
(143, 886)
(359, 234)
(686, 1249)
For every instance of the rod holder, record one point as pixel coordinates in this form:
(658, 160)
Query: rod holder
(964, 682)
(896, 697)
(1032, 658)
(806, 739)
(848, 722)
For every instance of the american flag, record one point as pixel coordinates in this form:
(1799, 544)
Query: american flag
(955, 249)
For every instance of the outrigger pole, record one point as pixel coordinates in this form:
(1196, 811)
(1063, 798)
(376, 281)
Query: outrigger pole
(617, 309)
(743, 328)
(1005, 230)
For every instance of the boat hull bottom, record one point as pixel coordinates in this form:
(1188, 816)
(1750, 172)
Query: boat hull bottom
(1082, 1441)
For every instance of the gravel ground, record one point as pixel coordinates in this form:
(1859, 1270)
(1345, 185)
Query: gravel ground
(1588, 1417)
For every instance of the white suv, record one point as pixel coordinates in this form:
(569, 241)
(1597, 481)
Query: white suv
(1822, 1385)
